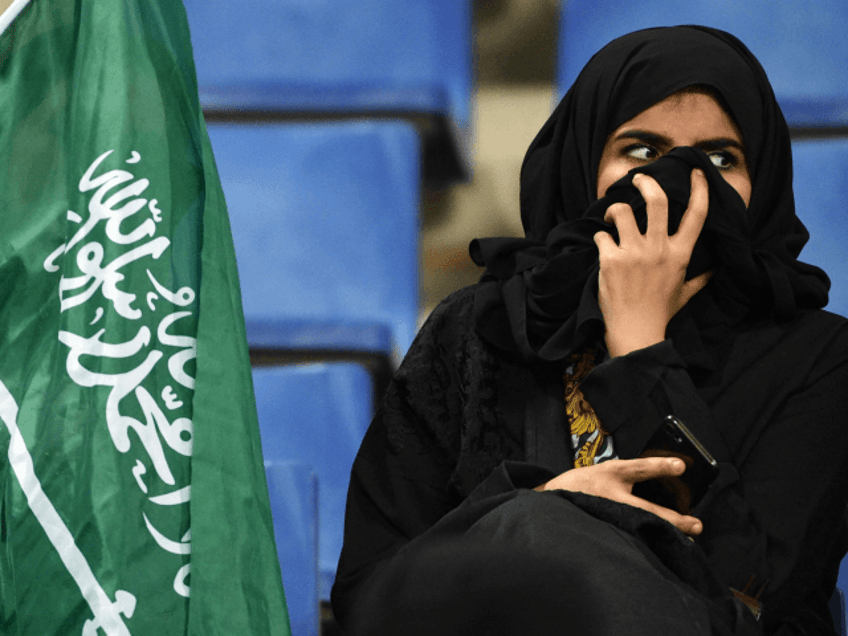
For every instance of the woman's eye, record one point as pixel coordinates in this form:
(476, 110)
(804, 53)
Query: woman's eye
(722, 160)
(642, 153)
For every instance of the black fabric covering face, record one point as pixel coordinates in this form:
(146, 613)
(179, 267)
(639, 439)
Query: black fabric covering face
(538, 295)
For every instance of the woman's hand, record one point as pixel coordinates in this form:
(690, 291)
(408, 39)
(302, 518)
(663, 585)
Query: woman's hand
(614, 480)
(642, 279)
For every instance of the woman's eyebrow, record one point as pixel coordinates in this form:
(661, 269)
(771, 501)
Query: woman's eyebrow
(647, 137)
(662, 141)
(718, 144)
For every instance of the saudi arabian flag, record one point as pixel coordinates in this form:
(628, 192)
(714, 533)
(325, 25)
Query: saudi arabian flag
(134, 499)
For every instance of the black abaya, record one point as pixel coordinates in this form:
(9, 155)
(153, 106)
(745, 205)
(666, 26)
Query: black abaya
(466, 430)
(444, 534)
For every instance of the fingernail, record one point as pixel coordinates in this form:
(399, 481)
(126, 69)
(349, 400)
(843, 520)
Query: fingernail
(699, 172)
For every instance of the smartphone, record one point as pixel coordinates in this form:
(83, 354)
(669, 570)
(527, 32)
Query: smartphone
(682, 493)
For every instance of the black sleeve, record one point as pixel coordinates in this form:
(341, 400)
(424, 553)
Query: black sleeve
(776, 511)
(399, 483)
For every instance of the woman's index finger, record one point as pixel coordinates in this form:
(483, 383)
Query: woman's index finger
(696, 212)
(656, 204)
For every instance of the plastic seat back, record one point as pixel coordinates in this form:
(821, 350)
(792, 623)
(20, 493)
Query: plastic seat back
(293, 489)
(371, 57)
(821, 187)
(325, 225)
(317, 414)
(802, 46)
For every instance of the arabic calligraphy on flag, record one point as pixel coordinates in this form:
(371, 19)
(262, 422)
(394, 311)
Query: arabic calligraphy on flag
(134, 499)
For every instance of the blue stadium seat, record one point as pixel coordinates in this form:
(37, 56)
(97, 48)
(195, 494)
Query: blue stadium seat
(821, 187)
(325, 225)
(317, 414)
(293, 489)
(802, 45)
(409, 58)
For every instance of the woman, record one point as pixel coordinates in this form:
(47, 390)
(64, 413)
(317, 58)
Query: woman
(658, 276)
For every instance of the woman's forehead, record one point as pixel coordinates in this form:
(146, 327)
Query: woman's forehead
(686, 115)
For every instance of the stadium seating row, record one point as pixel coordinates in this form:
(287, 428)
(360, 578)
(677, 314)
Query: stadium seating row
(378, 59)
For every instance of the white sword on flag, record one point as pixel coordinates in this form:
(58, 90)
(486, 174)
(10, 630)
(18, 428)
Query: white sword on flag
(107, 614)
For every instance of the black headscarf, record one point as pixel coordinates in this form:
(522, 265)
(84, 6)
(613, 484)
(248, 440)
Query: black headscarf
(538, 295)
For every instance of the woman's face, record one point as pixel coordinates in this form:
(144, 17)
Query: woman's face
(687, 118)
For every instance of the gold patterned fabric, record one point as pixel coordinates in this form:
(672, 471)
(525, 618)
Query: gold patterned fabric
(591, 443)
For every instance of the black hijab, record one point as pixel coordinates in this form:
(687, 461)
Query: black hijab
(538, 295)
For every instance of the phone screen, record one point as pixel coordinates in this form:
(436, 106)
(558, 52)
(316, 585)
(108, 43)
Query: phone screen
(682, 493)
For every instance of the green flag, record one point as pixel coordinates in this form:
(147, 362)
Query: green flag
(134, 499)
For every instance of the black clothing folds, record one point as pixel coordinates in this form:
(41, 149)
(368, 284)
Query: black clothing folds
(444, 534)
(465, 430)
